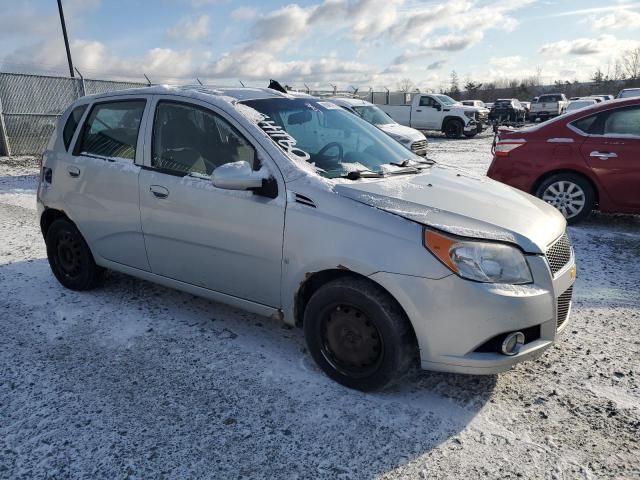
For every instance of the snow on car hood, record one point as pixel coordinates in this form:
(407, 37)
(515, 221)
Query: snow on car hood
(463, 204)
(396, 130)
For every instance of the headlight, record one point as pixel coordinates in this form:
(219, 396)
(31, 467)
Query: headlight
(488, 262)
(471, 115)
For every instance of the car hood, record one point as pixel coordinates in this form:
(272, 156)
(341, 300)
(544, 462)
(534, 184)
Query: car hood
(463, 204)
(396, 130)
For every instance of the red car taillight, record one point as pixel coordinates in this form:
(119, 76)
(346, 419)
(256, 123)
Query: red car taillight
(505, 147)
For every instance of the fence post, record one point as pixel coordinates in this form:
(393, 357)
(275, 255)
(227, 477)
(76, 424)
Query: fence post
(84, 90)
(5, 149)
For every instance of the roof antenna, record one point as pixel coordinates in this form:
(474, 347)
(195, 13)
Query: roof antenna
(276, 86)
(148, 81)
(241, 83)
(199, 81)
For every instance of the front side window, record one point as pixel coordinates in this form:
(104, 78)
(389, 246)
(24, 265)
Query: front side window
(625, 121)
(426, 102)
(112, 130)
(329, 138)
(72, 124)
(189, 139)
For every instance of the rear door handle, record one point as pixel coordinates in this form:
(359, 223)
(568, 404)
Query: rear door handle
(73, 171)
(603, 155)
(159, 191)
(418, 110)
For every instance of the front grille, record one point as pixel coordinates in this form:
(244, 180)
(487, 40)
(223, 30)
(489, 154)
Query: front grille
(559, 254)
(564, 304)
(419, 146)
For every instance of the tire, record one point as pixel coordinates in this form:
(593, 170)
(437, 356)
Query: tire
(453, 129)
(470, 135)
(69, 257)
(570, 193)
(358, 335)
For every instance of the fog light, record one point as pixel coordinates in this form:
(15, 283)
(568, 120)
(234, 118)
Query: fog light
(512, 343)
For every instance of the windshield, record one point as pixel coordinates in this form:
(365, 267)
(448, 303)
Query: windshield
(445, 99)
(373, 114)
(335, 141)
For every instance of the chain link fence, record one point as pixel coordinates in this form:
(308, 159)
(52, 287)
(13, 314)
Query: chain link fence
(30, 106)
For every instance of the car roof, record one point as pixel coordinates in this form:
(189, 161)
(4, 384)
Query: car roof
(240, 94)
(348, 101)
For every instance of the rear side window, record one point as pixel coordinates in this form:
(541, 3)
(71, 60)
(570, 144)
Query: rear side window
(623, 122)
(111, 130)
(586, 125)
(72, 124)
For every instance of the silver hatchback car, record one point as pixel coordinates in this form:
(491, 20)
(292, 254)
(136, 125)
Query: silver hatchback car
(290, 207)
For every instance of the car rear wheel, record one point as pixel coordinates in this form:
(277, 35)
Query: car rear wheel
(572, 194)
(357, 334)
(453, 129)
(69, 256)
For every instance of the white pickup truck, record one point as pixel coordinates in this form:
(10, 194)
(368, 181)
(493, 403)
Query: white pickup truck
(438, 112)
(549, 105)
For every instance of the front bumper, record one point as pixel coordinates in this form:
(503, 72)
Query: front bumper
(453, 318)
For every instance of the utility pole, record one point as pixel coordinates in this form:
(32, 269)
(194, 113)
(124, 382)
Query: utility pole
(66, 39)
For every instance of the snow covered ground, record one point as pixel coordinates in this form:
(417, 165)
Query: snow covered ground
(138, 381)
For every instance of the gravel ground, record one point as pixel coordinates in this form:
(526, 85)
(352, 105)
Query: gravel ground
(138, 381)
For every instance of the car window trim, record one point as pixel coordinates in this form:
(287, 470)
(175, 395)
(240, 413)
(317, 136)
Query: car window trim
(603, 114)
(196, 106)
(84, 106)
(85, 122)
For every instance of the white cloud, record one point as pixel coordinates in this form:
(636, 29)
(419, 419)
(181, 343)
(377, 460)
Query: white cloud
(244, 13)
(193, 29)
(617, 20)
(506, 62)
(453, 42)
(604, 44)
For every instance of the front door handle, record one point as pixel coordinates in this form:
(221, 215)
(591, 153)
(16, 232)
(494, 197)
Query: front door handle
(603, 155)
(159, 191)
(418, 110)
(73, 171)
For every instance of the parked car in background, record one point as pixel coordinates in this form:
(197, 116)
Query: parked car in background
(628, 93)
(438, 112)
(585, 160)
(411, 138)
(604, 97)
(488, 106)
(384, 256)
(595, 98)
(507, 110)
(580, 103)
(481, 106)
(548, 105)
(527, 108)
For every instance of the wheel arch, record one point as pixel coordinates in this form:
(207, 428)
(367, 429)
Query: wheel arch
(49, 216)
(449, 118)
(551, 173)
(313, 282)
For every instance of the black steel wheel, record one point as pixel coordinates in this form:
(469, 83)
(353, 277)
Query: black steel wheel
(453, 129)
(69, 257)
(351, 343)
(357, 334)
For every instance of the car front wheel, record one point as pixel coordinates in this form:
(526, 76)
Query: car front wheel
(357, 334)
(572, 194)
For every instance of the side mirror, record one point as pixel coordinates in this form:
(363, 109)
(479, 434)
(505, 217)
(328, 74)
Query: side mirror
(437, 107)
(240, 176)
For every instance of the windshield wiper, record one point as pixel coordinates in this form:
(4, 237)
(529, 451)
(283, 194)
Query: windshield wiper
(358, 174)
(408, 163)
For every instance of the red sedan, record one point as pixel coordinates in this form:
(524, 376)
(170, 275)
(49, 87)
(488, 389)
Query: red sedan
(585, 160)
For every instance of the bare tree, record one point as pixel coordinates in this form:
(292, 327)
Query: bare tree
(406, 85)
(631, 63)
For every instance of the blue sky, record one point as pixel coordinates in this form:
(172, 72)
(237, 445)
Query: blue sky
(321, 42)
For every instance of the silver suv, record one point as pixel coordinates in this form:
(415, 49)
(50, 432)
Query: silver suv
(291, 207)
